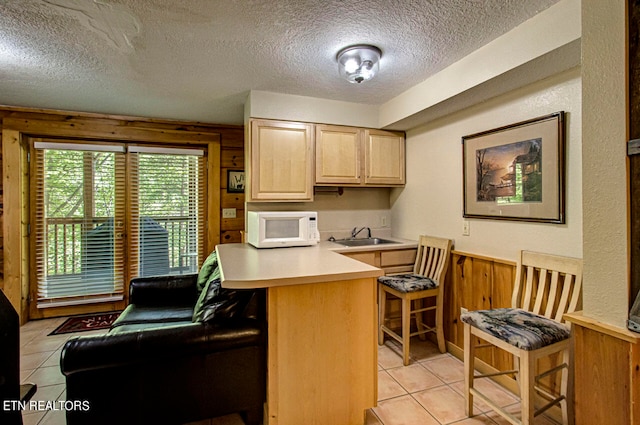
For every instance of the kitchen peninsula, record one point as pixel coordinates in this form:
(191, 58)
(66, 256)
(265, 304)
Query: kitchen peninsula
(322, 318)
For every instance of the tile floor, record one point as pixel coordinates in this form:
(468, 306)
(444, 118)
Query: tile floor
(426, 392)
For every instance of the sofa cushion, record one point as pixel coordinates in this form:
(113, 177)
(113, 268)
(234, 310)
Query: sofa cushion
(129, 327)
(218, 302)
(208, 272)
(135, 314)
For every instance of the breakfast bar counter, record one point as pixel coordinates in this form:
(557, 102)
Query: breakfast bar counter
(244, 266)
(322, 330)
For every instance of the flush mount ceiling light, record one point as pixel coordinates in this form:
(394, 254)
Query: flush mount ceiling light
(359, 63)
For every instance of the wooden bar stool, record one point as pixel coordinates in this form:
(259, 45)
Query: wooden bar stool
(426, 281)
(546, 287)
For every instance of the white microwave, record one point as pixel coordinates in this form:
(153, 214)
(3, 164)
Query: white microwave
(274, 229)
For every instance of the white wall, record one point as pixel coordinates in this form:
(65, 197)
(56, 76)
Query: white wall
(604, 187)
(338, 214)
(553, 29)
(278, 106)
(431, 202)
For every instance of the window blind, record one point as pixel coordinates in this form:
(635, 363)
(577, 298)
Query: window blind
(79, 223)
(167, 210)
(106, 212)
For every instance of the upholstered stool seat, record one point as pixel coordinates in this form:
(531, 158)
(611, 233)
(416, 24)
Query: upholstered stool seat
(410, 282)
(517, 327)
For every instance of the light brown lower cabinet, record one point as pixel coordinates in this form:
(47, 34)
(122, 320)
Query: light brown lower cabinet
(322, 356)
(391, 261)
(607, 373)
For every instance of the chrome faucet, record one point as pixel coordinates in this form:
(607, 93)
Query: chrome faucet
(355, 232)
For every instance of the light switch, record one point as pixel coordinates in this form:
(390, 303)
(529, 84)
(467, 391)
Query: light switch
(465, 228)
(228, 213)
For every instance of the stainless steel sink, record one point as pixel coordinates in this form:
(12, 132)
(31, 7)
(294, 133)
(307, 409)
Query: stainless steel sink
(364, 242)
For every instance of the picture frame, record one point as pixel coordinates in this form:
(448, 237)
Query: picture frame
(235, 181)
(516, 172)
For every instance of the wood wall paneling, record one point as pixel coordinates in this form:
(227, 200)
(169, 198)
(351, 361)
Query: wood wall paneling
(231, 158)
(12, 217)
(475, 282)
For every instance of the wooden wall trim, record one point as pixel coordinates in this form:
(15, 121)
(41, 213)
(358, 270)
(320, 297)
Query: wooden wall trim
(83, 128)
(18, 112)
(484, 257)
(12, 217)
(579, 318)
(213, 193)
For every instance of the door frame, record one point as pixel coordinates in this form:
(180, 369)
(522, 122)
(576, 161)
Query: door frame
(15, 169)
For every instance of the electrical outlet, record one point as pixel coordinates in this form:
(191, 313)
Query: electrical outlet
(228, 213)
(465, 228)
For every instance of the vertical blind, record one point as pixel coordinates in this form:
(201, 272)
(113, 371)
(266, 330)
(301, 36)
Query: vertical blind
(101, 211)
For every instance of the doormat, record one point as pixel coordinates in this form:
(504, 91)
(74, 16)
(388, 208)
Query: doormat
(87, 322)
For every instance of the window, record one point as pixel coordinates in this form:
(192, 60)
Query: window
(167, 210)
(105, 213)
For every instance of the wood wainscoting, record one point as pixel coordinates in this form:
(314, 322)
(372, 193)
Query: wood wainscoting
(476, 282)
(607, 358)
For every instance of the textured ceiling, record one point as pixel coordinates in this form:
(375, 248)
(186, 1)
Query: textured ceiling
(198, 59)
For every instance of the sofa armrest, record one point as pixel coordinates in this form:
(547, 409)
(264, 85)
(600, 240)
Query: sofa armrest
(164, 290)
(142, 346)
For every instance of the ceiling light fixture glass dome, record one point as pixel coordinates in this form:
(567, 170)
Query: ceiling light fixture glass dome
(359, 63)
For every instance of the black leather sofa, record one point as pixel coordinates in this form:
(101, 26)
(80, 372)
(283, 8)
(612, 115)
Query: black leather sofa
(162, 362)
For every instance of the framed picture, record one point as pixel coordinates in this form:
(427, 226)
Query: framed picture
(516, 172)
(235, 181)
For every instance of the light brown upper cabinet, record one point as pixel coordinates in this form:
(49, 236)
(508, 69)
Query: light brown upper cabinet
(338, 154)
(384, 157)
(281, 158)
(350, 156)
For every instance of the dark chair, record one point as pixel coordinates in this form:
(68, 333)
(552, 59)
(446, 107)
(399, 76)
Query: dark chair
(10, 389)
(162, 363)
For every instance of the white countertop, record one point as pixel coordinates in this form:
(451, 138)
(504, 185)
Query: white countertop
(244, 266)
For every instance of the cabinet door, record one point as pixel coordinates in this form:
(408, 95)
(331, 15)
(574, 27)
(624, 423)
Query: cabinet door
(281, 161)
(384, 158)
(337, 155)
(371, 258)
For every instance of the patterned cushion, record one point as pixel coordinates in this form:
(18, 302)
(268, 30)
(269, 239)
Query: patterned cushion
(410, 282)
(518, 327)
